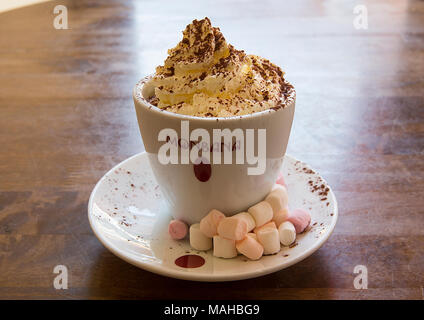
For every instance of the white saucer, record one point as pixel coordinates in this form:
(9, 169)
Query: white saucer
(129, 216)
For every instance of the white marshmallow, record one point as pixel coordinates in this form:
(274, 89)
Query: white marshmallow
(270, 240)
(198, 240)
(287, 233)
(261, 212)
(278, 199)
(251, 224)
(224, 248)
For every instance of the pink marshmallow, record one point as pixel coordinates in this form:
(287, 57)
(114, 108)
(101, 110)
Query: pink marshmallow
(281, 216)
(270, 224)
(280, 180)
(250, 248)
(253, 235)
(300, 219)
(209, 223)
(177, 229)
(232, 228)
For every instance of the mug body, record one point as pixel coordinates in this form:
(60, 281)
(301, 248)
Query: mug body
(255, 148)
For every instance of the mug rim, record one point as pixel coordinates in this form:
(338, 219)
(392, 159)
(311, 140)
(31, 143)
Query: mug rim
(138, 96)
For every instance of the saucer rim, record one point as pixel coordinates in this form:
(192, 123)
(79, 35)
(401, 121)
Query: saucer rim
(203, 277)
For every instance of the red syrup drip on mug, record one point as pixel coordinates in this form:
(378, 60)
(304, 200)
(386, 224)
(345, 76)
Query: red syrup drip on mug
(202, 170)
(190, 261)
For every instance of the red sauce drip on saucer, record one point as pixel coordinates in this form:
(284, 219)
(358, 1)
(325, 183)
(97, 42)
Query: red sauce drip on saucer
(190, 261)
(202, 170)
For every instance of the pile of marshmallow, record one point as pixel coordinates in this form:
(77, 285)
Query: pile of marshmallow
(254, 233)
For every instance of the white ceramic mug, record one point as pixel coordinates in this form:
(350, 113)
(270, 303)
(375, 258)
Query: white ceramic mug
(226, 187)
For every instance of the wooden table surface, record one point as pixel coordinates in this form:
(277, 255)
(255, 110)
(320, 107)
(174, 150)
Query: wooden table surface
(67, 116)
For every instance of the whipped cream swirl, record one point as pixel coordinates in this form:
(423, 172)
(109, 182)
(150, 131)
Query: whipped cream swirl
(205, 76)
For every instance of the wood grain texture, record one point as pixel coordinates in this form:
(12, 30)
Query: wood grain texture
(67, 116)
